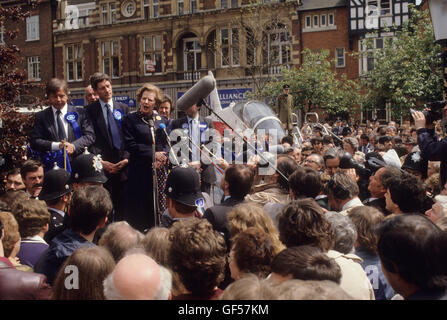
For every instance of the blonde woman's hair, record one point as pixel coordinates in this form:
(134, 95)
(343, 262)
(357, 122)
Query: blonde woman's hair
(248, 215)
(151, 88)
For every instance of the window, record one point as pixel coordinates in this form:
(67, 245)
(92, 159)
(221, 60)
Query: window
(316, 22)
(279, 47)
(192, 55)
(32, 28)
(367, 48)
(224, 4)
(180, 7)
(34, 68)
(84, 20)
(229, 42)
(385, 7)
(112, 13)
(104, 13)
(108, 13)
(146, 9)
(308, 22)
(2, 35)
(234, 3)
(331, 20)
(152, 46)
(110, 58)
(155, 8)
(378, 7)
(74, 62)
(323, 20)
(193, 6)
(340, 57)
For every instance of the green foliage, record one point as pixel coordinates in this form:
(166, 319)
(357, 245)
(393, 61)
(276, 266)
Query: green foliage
(407, 73)
(314, 84)
(15, 127)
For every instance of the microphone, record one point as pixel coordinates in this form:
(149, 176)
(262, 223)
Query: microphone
(347, 162)
(196, 93)
(151, 126)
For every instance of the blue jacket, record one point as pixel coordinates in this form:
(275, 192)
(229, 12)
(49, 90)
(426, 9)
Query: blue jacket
(62, 246)
(371, 265)
(433, 150)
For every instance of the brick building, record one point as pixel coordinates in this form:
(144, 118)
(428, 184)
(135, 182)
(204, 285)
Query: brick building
(324, 26)
(172, 43)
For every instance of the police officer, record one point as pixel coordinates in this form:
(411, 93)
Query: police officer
(87, 169)
(56, 192)
(184, 197)
(284, 107)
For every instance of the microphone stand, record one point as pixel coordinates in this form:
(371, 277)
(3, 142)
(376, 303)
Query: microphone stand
(154, 173)
(204, 103)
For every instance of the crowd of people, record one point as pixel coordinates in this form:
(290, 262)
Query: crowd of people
(349, 211)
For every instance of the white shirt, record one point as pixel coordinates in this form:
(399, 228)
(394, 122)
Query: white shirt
(194, 134)
(355, 202)
(64, 110)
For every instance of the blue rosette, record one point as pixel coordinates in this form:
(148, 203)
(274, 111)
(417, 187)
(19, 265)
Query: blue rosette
(118, 115)
(72, 118)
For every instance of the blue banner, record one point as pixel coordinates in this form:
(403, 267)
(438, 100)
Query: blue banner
(227, 96)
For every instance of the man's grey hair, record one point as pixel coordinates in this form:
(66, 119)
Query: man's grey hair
(442, 200)
(347, 183)
(163, 291)
(345, 231)
(119, 237)
(353, 142)
(319, 159)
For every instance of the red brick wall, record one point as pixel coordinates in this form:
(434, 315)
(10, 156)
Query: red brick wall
(329, 40)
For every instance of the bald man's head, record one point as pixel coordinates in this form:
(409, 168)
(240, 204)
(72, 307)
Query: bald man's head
(138, 277)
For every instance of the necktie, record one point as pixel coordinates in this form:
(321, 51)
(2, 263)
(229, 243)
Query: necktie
(60, 126)
(113, 129)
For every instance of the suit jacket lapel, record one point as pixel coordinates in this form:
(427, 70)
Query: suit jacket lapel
(71, 135)
(49, 117)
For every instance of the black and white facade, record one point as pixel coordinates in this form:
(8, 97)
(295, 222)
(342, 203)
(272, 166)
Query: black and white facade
(371, 23)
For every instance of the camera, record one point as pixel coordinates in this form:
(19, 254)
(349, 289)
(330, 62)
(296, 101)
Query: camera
(435, 113)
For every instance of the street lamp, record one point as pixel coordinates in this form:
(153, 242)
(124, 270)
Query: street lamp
(438, 13)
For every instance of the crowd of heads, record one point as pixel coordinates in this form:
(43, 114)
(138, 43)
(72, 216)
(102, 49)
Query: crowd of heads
(335, 205)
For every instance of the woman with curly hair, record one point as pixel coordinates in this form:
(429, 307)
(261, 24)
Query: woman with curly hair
(198, 255)
(303, 222)
(252, 252)
(248, 215)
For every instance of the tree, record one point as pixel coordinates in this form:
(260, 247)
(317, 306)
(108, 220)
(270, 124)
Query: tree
(407, 72)
(314, 85)
(15, 126)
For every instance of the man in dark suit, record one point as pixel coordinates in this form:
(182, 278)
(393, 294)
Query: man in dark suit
(378, 184)
(197, 127)
(106, 116)
(61, 125)
(236, 184)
